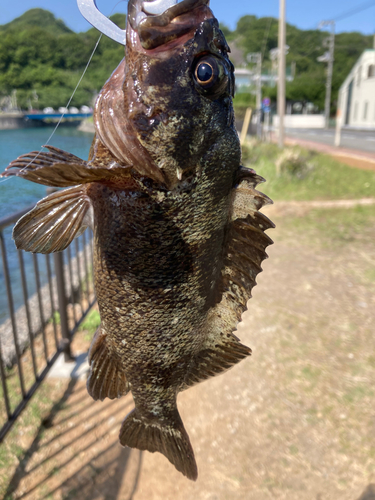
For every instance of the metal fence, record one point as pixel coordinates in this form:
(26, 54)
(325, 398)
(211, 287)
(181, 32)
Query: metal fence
(43, 300)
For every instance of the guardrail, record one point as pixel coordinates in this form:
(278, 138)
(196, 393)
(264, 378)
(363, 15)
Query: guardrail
(45, 298)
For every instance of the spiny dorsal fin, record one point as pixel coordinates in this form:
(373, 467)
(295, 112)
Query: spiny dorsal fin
(61, 169)
(54, 222)
(246, 242)
(244, 251)
(106, 378)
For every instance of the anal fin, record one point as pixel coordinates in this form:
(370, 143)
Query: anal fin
(54, 221)
(106, 378)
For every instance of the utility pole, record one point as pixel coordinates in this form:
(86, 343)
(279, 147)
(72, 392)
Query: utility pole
(329, 58)
(281, 74)
(339, 120)
(256, 57)
(259, 95)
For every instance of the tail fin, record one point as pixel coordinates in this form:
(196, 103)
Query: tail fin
(170, 439)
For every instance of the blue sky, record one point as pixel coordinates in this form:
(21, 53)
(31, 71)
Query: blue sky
(305, 14)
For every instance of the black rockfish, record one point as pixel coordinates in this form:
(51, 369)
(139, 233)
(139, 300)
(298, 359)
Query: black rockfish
(178, 239)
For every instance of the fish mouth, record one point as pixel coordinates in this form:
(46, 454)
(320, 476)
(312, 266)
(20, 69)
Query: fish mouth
(158, 22)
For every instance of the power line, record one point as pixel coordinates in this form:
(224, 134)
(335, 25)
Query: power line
(352, 12)
(266, 35)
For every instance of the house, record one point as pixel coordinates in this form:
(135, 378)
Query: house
(357, 93)
(246, 78)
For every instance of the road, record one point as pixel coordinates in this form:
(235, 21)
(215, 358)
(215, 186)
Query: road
(360, 140)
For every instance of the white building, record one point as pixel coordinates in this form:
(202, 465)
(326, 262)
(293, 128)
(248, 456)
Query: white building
(357, 93)
(246, 78)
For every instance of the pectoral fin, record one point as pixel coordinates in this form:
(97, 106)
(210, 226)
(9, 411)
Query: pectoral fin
(54, 221)
(61, 169)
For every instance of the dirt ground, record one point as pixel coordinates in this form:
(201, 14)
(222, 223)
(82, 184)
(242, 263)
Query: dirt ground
(295, 421)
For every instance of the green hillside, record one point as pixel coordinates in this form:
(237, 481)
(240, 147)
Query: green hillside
(42, 58)
(35, 18)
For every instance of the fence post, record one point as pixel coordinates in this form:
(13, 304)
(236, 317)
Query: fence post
(62, 301)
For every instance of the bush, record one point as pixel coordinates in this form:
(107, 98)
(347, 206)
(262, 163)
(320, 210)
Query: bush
(253, 150)
(295, 163)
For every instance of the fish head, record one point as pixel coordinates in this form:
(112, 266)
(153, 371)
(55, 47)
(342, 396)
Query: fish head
(177, 89)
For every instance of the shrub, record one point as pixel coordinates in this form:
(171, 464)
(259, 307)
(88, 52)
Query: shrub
(295, 163)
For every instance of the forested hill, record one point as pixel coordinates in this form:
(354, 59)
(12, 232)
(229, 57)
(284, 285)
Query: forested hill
(43, 59)
(35, 18)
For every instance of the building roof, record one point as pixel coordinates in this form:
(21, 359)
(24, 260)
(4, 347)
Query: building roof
(364, 57)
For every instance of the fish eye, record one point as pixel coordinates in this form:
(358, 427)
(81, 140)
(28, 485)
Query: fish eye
(210, 74)
(204, 73)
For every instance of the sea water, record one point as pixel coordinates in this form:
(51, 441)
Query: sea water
(17, 194)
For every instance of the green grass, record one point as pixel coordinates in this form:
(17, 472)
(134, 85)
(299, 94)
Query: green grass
(55, 318)
(325, 179)
(310, 373)
(334, 226)
(91, 323)
(370, 275)
(27, 425)
(357, 393)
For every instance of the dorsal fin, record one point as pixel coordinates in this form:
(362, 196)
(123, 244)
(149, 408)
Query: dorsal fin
(246, 242)
(244, 251)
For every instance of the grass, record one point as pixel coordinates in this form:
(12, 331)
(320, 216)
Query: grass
(14, 448)
(334, 227)
(90, 324)
(325, 179)
(55, 318)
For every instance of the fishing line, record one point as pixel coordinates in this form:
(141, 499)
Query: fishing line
(63, 114)
(74, 91)
(69, 101)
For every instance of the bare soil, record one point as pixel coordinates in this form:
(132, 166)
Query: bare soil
(295, 421)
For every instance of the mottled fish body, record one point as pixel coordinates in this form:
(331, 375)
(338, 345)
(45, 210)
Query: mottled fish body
(178, 238)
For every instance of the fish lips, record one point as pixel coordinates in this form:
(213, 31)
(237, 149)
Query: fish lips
(157, 30)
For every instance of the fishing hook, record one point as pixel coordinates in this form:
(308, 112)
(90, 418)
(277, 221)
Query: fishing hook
(92, 14)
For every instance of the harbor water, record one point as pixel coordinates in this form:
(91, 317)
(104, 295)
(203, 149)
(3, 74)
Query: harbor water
(17, 194)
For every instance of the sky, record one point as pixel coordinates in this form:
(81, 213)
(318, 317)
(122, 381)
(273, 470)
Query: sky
(306, 14)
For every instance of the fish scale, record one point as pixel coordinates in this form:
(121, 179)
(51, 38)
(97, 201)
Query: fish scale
(178, 236)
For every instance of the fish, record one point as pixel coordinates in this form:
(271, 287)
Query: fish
(178, 234)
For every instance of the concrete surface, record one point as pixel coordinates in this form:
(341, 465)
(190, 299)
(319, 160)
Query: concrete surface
(77, 369)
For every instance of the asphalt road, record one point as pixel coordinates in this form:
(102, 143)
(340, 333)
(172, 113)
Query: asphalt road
(360, 140)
